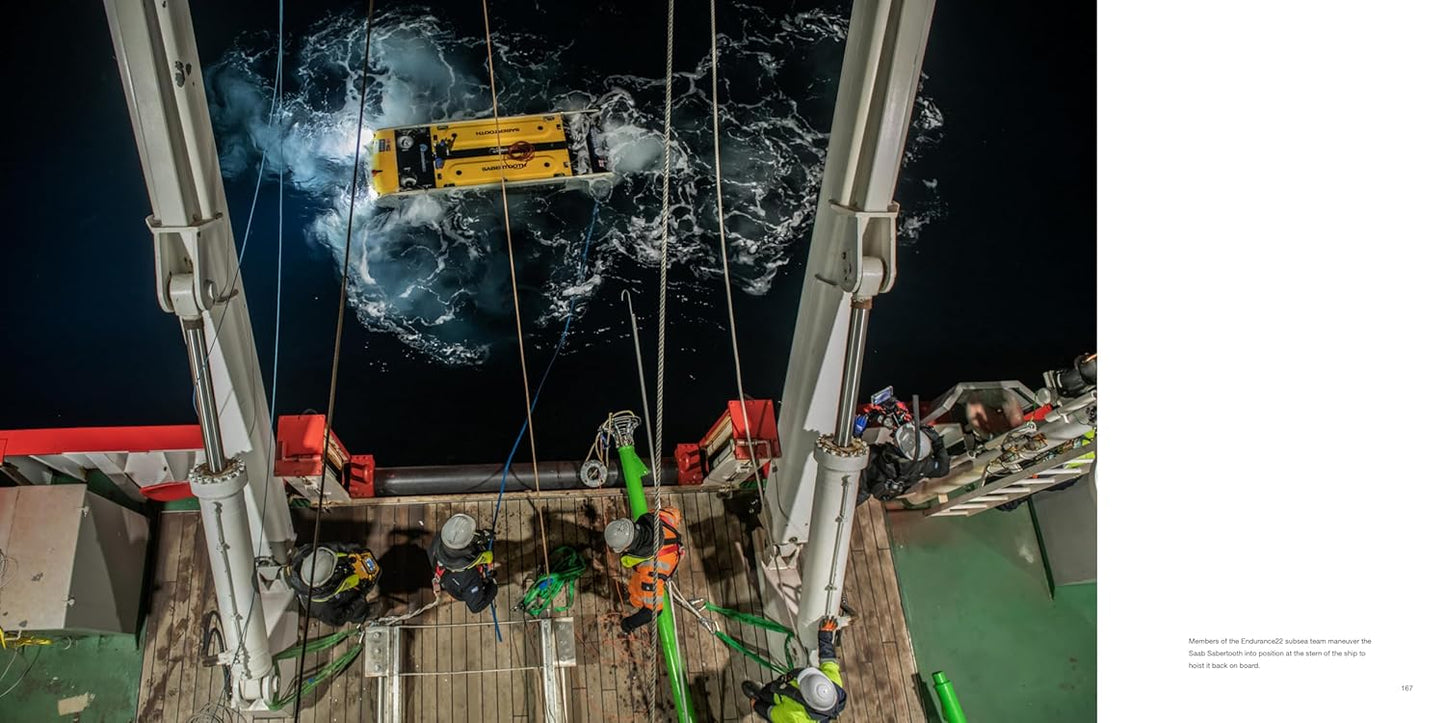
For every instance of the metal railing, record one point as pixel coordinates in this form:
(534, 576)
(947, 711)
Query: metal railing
(555, 637)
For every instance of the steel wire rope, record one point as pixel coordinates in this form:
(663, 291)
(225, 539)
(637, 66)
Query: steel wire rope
(277, 97)
(336, 344)
(664, 227)
(727, 275)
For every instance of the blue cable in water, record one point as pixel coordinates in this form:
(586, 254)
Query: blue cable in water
(566, 325)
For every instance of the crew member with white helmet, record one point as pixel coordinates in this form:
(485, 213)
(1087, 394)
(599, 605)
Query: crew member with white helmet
(808, 694)
(461, 558)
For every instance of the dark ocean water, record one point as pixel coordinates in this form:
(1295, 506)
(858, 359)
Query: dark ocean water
(1000, 190)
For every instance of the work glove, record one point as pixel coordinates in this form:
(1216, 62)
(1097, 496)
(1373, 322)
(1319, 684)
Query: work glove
(827, 635)
(636, 620)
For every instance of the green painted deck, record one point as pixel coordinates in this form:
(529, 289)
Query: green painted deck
(977, 603)
(100, 674)
(106, 667)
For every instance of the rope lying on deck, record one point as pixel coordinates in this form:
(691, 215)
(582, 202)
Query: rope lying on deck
(538, 598)
(394, 619)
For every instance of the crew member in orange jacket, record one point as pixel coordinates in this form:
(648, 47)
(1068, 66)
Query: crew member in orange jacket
(651, 546)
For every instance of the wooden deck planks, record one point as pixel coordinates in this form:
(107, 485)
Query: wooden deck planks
(523, 555)
(527, 521)
(154, 705)
(167, 558)
(734, 591)
(607, 604)
(207, 681)
(882, 615)
(185, 655)
(900, 643)
(876, 655)
(861, 654)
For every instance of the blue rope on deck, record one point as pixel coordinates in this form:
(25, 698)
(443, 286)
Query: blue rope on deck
(562, 341)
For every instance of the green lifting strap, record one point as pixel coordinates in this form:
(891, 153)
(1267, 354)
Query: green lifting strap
(320, 676)
(568, 566)
(318, 644)
(735, 645)
(750, 619)
(755, 621)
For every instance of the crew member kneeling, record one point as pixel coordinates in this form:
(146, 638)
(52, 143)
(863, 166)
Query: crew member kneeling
(333, 580)
(652, 546)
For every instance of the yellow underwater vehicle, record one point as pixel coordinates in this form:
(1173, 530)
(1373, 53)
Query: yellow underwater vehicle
(553, 148)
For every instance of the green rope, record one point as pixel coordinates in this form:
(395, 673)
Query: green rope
(567, 567)
(755, 621)
(311, 682)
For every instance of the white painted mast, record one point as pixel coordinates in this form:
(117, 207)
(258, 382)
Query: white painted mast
(198, 280)
(811, 492)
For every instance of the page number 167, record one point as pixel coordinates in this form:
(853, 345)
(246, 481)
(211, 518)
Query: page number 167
(1407, 688)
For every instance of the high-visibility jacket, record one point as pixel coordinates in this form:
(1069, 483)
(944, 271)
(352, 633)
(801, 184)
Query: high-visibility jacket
(783, 703)
(341, 598)
(645, 588)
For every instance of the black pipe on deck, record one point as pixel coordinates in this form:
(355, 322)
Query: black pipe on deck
(480, 478)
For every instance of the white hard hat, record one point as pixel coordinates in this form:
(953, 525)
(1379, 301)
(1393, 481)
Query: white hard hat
(619, 534)
(912, 442)
(317, 566)
(458, 531)
(818, 691)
